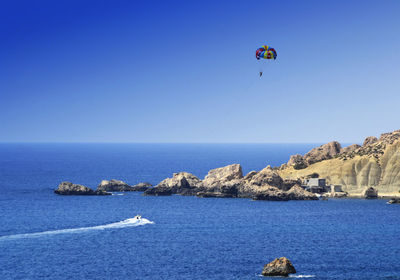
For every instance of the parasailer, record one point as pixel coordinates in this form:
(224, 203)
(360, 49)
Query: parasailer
(265, 52)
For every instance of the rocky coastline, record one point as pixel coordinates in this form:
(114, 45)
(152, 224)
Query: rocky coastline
(229, 182)
(361, 170)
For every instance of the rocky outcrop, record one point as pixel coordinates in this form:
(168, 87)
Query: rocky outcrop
(68, 188)
(114, 186)
(279, 267)
(374, 164)
(297, 161)
(370, 140)
(223, 174)
(141, 187)
(228, 181)
(323, 152)
(181, 183)
(267, 176)
(370, 193)
(298, 193)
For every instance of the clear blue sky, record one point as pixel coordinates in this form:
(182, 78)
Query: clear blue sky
(185, 71)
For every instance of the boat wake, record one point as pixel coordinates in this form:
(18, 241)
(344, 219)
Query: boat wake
(122, 224)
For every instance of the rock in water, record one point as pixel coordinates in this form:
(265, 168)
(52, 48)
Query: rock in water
(279, 267)
(67, 188)
(141, 187)
(394, 200)
(114, 186)
(370, 193)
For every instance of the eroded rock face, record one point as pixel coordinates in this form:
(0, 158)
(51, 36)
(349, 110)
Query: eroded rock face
(370, 193)
(68, 188)
(376, 164)
(279, 267)
(114, 186)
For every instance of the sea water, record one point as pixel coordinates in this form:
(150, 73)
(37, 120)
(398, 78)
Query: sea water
(47, 236)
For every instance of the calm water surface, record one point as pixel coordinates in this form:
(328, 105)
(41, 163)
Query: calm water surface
(191, 238)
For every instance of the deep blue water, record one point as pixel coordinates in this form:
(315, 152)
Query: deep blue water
(191, 238)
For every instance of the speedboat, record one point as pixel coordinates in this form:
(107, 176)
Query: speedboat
(137, 217)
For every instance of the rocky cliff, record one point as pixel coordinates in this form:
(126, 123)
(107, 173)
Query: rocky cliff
(374, 164)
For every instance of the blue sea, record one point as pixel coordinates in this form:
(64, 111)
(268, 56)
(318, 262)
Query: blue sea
(46, 236)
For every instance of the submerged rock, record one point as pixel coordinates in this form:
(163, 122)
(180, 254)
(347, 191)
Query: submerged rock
(279, 267)
(68, 188)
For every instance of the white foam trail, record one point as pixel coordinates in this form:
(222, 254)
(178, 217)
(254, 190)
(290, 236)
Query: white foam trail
(301, 276)
(122, 224)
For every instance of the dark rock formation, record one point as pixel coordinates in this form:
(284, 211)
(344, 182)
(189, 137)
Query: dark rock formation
(370, 193)
(158, 191)
(279, 267)
(67, 188)
(214, 194)
(141, 187)
(394, 200)
(114, 186)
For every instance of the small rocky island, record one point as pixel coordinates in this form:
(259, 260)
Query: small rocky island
(279, 267)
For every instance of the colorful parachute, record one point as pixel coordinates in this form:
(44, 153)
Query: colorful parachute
(266, 52)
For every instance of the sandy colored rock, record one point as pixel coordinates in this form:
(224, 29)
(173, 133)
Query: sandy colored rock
(113, 186)
(374, 165)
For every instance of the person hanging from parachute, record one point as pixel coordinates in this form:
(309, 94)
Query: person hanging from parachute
(265, 52)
